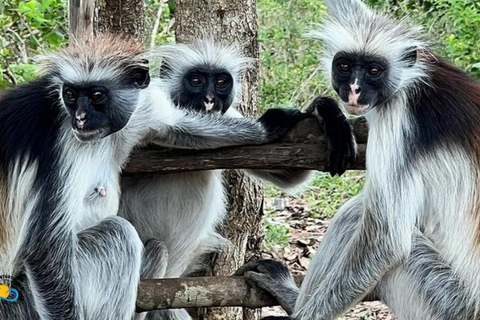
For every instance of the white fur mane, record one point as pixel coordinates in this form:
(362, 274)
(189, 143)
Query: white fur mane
(105, 57)
(352, 27)
(202, 53)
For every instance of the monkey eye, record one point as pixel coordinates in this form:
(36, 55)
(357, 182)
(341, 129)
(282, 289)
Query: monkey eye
(222, 82)
(344, 67)
(195, 81)
(70, 95)
(97, 96)
(374, 71)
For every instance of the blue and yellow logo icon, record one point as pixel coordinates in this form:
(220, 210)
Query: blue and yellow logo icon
(7, 293)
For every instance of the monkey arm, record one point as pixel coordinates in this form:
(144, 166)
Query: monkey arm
(197, 131)
(368, 237)
(285, 179)
(340, 139)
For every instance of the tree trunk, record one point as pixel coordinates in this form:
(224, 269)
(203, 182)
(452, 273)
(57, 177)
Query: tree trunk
(124, 17)
(232, 21)
(80, 17)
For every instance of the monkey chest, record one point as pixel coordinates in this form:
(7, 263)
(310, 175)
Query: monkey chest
(101, 198)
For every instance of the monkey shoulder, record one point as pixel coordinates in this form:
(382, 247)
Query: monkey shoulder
(31, 120)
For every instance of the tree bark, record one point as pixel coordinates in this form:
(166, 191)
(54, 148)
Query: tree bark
(232, 21)
(80, 16)
(123, 17)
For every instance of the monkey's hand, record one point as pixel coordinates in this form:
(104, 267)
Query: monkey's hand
(340, 140)
(273, 277)
(278, 121)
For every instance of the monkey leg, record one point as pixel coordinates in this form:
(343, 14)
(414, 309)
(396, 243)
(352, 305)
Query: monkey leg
(109, 261)
(331, 251)
(154, 266)
(155, 260)
(274, 278)
(424, 287)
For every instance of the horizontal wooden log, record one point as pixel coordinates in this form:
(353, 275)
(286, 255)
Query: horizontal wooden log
(158, 294)
(200, 292)
(302, 148)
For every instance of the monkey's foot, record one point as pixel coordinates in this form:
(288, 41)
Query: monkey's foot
(273, 277)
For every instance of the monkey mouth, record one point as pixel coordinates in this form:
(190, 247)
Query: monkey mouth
(357, 109)
(89, 135)
(209, 106)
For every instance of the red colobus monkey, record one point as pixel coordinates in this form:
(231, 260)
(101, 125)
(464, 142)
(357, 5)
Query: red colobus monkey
(412, 236)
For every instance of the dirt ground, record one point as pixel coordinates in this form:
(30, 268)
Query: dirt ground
(304, 234)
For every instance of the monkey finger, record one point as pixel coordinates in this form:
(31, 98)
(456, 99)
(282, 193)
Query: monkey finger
(266, 266)
(325, 107)
(336, 163)
(262, 281)
(271, 286)
(249, 266)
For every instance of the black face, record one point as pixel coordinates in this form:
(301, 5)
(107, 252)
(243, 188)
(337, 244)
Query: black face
(361, 81)
(207, 91)
(101, 108)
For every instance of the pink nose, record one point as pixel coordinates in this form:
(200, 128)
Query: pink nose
(81, 118)
(354, 93)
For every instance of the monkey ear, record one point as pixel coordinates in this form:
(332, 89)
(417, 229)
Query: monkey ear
(141, 77)
(344, 10)
(410, 56)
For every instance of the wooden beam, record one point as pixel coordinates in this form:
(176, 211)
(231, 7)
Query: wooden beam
(302, 148)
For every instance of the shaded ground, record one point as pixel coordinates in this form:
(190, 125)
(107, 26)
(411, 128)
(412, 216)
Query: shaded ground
(293, 234)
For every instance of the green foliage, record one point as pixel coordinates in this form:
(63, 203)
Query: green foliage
(457, 23)
(289, 73)
(28, 28)
(159, 21)
(326, 194)
(275, 234)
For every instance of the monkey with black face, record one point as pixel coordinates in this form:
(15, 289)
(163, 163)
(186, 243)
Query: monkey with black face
(62, 136)
(208, 90)
(205, 77)
(411, 237)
